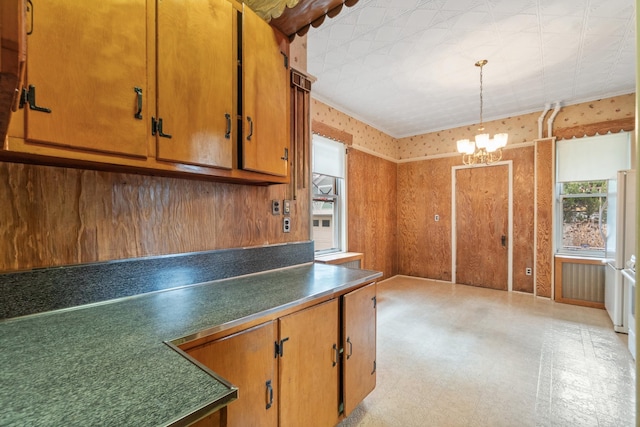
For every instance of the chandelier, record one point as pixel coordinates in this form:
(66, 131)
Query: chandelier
(482, 149)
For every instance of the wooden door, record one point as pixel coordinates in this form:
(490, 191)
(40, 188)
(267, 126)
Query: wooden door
(482, 226)
(359, 334)
(247, 360)
(265, 90)
(197, 81)
(88, 77)
(309, 367)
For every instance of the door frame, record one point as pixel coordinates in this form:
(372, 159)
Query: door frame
(454, 245)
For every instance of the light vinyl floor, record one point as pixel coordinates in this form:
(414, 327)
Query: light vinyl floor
(456, 355)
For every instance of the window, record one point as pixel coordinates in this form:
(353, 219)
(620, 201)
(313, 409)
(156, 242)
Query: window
(329, 203)
(584, 217)
(584, 167)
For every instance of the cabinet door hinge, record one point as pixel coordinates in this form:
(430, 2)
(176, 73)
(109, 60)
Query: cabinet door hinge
(279, 347)
(29, 97)
(375, 301)
(156, 127)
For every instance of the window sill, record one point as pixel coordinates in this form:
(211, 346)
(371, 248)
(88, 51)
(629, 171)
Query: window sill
(337, 258)
(586, 259)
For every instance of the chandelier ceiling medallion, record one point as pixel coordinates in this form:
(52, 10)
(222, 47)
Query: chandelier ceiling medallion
(482, 149)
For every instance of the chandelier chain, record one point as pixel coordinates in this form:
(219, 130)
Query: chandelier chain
(481, 64)
(483, 149)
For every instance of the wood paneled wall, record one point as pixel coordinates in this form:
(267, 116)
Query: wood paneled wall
(371, 200)
(51, 216)
(424, 190)
(545, 176)
(523, 216)
(424, 245)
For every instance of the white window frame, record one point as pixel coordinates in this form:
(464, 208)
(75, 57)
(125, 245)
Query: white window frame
(340, 213)
(605, 168)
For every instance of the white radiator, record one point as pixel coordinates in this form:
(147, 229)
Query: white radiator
(584, 282)
(351, 264)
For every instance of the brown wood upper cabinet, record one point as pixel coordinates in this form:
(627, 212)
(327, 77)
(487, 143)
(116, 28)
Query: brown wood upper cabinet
(163, 87)
(309, 367)
(196, 75)
(80, 92)
(265, 90)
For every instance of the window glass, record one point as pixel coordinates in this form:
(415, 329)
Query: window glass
(326, 209)
(329, 201)
(583, 217)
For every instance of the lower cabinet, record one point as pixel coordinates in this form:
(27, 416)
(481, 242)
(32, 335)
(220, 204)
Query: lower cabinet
(309, 371)
(311, 367)
(247, 360)
(359, 343)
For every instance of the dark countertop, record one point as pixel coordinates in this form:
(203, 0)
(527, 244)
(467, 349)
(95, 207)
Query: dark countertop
(108, 363)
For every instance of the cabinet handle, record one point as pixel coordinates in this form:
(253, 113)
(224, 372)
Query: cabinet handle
(286, 154)
(138, 114)
(350, 347)
(227, 133)
(250, 128)
(269, 394)
(503, 239)
(336, 355)
(30, 9)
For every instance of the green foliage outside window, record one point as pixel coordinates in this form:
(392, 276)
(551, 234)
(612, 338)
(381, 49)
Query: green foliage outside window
(584, 201)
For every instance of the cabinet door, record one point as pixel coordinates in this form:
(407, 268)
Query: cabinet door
(197, 87)
(89, 75)
(265, 90)
(308, 368)
(13, 46)
(247, 360)
(359, 334)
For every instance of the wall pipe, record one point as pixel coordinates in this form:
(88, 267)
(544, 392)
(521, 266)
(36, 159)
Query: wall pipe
(550, 121)
(547, 107)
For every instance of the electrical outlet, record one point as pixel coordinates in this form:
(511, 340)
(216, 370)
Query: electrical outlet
(528, 271)
(286, 207)
(275, 207)
(286, 225)
(436, 218)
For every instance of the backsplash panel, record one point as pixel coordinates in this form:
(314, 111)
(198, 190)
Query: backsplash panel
(41, 290)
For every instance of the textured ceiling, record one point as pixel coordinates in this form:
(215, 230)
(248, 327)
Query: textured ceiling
(406, 67)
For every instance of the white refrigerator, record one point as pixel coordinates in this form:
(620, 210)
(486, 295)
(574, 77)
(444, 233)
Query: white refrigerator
(620, 245)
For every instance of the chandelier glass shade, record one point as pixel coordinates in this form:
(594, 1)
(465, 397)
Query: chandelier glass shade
(483, 148)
